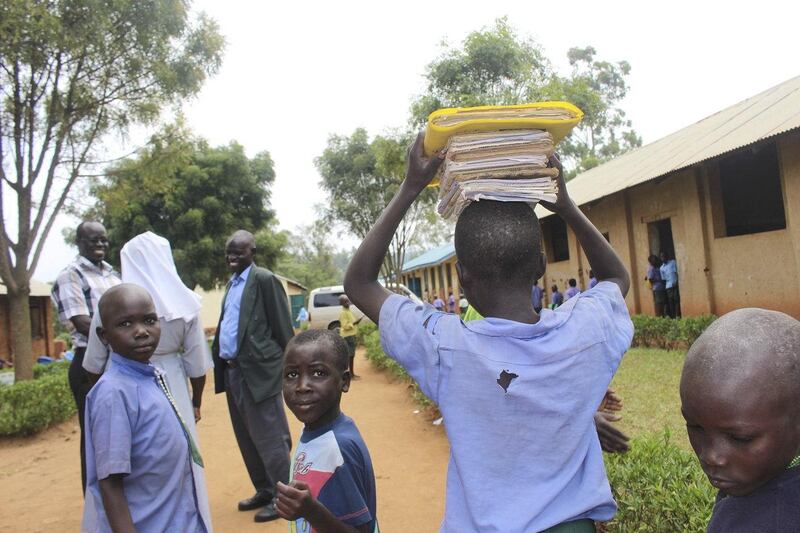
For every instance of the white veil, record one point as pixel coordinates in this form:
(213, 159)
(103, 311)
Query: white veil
(147, 261)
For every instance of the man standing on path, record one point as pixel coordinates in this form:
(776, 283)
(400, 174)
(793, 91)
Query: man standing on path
(75, 294)
(252, 333)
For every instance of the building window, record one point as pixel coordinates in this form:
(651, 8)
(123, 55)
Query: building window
(556, 242)
(750, 187)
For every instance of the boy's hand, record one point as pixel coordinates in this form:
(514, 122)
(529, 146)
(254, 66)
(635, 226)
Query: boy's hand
(611, 401)
(612, 440)
(563, 201)
(294, 500)
(420, 169)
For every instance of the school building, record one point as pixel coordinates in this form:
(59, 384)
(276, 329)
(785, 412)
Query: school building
(41, 311)
(722, 196)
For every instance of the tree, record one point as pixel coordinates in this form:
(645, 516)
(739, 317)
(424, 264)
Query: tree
(494, 66)
(310, 258)
(195, 196)
(361, 177)
(71, 71)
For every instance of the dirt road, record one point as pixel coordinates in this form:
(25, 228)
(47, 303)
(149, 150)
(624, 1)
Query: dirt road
(40, 476)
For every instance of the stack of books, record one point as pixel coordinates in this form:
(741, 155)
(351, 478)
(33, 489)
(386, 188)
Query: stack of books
(498, 153)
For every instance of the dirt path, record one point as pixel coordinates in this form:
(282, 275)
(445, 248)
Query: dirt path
(40, 476)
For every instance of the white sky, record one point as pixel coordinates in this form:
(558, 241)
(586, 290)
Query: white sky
(296, 72)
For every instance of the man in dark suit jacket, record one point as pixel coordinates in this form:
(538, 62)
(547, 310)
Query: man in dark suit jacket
(253, 330)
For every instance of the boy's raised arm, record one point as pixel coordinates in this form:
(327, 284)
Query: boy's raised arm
(361, 280)
(602, 258)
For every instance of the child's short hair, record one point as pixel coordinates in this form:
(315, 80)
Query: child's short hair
(499, 241)
(337, 343)
(572, 282)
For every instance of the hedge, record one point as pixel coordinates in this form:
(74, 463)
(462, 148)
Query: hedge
(668, 333)
(30, 406)
(659, 488)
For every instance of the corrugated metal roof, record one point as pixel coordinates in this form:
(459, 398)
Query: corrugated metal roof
(774, 111)
(431, 257)
(37, 288)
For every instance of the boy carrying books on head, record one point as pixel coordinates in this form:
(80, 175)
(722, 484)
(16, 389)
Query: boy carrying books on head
(518, 390)
(740, 396)
(332, 487)
(138, 450)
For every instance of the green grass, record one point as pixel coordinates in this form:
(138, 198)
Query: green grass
(648, 380)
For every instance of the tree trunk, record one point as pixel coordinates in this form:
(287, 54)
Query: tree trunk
(20, 314)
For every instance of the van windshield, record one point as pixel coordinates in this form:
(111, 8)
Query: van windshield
(327, 299)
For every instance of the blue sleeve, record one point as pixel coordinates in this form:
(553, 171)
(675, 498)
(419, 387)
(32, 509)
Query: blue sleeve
(609, 308)
(406, 336)
(346, 494)
(110, 416)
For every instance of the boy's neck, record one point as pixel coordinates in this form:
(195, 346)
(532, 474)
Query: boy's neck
(509, 303)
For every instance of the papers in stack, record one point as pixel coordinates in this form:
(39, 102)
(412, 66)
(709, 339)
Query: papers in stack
(506, 166)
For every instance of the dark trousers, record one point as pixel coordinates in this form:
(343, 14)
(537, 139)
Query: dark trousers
(79, 383)
(262, 433)
(673, 302)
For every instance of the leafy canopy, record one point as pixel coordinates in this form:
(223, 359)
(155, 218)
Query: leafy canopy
(495, 66)
(194, 195)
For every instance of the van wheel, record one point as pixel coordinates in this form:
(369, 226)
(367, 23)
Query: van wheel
(334, 326)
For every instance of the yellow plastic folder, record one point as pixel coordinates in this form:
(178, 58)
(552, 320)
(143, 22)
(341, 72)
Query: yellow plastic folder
(556, 117)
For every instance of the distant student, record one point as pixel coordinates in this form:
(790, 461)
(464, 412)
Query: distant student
(348, 331)
(463, 304)
(438, 303)
(518, 391)
(669, 273)
(139, 451)
(332, 486)
(740, 396)
(536, 297)
(451, 303)
(653, 277)
(573, 289)
(592, 279)
(302, 318)
(556, 298)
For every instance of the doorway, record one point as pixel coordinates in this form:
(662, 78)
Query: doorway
(659, 234)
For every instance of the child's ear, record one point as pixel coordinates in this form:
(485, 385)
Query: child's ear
(463, 275)
(346, 380)
(101, 334)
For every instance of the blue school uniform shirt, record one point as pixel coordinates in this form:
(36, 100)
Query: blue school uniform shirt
(335, 463)
(132, 429)
(669, 273)
(536, 296)
(518, 402)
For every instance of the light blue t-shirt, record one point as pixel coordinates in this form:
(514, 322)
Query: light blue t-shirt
(669, 273)
(131, 429)
(518, 402)
(229, 328)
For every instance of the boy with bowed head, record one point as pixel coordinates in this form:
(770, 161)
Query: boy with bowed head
(518, 390)
(138, 451)
(740, 396)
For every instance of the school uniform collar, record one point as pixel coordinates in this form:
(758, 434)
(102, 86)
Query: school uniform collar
(501, 327)
(311, 434)
(135, 367)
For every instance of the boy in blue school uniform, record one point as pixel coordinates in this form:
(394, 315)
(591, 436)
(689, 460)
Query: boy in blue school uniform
(332, 485)
(740, 396)
(518, 390)
(138, 451)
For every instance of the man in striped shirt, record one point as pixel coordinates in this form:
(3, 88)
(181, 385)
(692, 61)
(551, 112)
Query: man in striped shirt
(75, 294)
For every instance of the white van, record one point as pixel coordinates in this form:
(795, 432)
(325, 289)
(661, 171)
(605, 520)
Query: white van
(323, 305)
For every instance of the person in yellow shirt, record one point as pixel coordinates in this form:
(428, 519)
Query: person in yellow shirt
(348, 330)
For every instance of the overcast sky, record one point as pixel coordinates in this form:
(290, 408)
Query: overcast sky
(296, 72)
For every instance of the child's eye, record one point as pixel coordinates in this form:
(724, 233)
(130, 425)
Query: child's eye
(741, 439)
(319, 373)
(124, 324)
(149, 321)
(291, 374)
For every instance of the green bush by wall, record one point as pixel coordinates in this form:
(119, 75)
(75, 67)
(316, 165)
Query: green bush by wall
(669, 333)
(30, 406)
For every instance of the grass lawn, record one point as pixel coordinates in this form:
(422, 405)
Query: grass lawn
(648, 381)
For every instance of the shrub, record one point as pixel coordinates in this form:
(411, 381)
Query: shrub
(375, 354)
(668, 333)
(30, 406)
(659, 488)
(365, 328)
